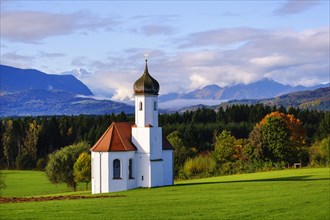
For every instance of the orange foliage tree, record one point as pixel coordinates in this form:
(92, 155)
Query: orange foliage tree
(279, 137)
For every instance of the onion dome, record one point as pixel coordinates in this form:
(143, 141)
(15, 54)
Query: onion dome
(146, 84)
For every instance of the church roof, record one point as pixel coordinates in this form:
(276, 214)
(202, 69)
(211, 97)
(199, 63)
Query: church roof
(146, 84)
(118, 138)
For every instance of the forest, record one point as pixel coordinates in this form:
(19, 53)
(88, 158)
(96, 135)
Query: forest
(239, 138)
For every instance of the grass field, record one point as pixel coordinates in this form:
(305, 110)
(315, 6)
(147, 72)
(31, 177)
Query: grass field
(287, 194)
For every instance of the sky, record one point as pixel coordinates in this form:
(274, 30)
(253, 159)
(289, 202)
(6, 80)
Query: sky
(188, 44)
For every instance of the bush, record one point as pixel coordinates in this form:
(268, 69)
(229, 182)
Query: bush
(200, 166)
(41, 164)
(320, 152)
(25, 162)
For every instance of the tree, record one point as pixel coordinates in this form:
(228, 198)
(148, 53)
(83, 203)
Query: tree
(324, 128)
(276, 139)
(60, 165)
(320, 152)
(181, 153)
(31, 140)
(282, 137)
(224, 147)
(82, 169)
(8, 142)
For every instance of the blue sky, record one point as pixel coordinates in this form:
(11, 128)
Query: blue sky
(189, 44)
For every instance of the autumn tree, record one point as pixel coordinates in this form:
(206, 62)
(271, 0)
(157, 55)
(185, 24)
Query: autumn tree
(82, 169)
(282, 137)
(31, 140)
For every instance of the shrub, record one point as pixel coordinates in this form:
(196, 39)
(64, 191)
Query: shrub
(200, 166)
(41, 164)
(320, 152)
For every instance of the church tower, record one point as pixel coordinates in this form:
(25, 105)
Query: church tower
(146, 135)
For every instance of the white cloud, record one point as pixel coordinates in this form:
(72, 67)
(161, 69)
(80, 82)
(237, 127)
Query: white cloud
(295, 6)
(33, 26)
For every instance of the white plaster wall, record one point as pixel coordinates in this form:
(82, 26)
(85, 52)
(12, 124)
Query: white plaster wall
(143, 173)
(148, 115)
(124, 183)
(141, 139)
(99, 172)
(168, 167)
(95, 173)
(156, 173)
(155, 143)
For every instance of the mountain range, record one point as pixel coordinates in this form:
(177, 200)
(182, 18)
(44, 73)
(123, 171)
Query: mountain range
(26, 92)
(32, 92)
(264, 88)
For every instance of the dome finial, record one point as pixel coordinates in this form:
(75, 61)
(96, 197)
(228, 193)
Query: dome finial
(146, 67)
(146, 84)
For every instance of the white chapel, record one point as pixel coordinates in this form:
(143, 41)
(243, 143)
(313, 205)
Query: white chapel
(131, 155)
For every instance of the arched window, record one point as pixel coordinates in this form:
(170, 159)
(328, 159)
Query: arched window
(130, 169)
(116, 169)
(140, 106)
(155, 105)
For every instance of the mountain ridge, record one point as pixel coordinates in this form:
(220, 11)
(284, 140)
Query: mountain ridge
(18, 80)
(264, 88)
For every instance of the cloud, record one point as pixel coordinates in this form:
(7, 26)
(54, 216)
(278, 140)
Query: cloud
(152, 25)
(149, 30)
(50, 55)
(287, 56)
(17, 60)
(222, 37)
(295, 6)
(33, 26)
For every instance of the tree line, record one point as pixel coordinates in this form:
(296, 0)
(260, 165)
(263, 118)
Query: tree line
(26, 142)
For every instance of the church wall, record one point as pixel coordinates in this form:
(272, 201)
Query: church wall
(156, 173)
(168, 167)
(124, 182)
(141, 139)
(143, 173)
(156, 143)
(146, 114)
(99, 172)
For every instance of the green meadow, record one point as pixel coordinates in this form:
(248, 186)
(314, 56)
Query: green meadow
(286, 194)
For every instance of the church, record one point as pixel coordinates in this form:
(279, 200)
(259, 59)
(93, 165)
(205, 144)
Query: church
(130, 155)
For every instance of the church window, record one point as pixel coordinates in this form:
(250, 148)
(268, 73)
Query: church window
(130, 169)
(140, 106)
(155, 105)
(116, 169)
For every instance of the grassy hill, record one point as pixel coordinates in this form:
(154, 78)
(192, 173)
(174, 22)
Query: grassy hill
(318, 99)
(287, 194)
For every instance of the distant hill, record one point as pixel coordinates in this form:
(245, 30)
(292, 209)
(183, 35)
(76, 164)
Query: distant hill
(318, 99)
(31, 92)
(264, 88)
(20, 80)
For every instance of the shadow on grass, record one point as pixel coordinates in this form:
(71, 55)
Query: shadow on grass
(280, 179)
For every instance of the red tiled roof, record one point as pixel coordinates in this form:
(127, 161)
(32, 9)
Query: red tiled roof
(116, 138)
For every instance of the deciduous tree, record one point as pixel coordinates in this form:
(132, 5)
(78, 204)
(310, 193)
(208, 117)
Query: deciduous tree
(60, 164)
(82, 169)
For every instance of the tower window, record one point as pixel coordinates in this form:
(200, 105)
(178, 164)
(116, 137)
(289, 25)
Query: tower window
(155, 105)
(116, 169)
(130, 169)
(140, 106)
